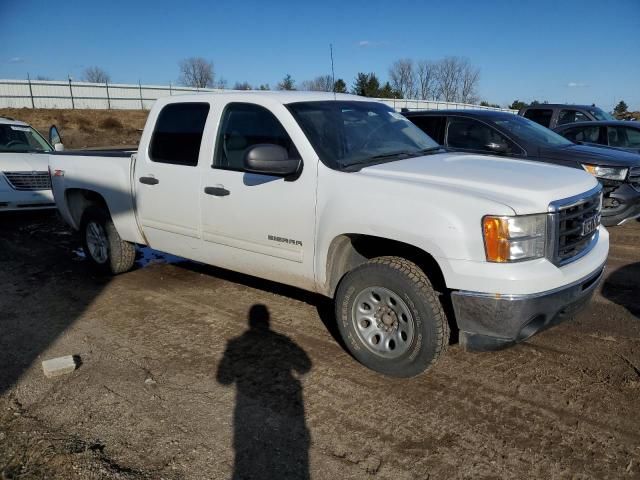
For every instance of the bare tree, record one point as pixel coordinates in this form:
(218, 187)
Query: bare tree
(470, 77)
(242, 86)
(323, 83)
(426, 79)
(402, 77)
(95, 75)
(448, 75)
(196, 72)
(221, 83)
(457, 80)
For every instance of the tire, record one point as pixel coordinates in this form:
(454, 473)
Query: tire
(114, 255)
(408, 317)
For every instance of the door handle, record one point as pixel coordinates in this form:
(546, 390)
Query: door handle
(218, 191)
(149, 180)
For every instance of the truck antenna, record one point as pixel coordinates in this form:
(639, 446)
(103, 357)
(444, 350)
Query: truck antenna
(333, 75)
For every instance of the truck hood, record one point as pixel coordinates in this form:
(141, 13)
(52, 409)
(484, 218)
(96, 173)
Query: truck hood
(525, 186)
(24, 162)
(593, 155)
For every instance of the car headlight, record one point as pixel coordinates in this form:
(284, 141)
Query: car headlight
(513, 239)
(608, 173)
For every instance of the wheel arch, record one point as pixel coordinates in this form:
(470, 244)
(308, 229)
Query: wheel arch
(348, 251)
(78, 200)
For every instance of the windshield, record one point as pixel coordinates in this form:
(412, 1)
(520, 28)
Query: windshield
(531, 131)
(600, 114)
(348, 133)
(21, 138)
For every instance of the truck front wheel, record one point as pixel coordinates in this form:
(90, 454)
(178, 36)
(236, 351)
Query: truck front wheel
(390, 317)
(102, 244)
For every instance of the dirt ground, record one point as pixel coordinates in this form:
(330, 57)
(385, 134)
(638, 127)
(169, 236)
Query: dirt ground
(85, 128)
(181, 378)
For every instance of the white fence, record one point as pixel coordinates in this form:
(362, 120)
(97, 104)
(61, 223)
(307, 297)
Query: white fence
(68, 94)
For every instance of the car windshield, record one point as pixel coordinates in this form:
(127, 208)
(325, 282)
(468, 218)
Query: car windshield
(531, 131)
(21, 138)
(600, 114)
(354, 133)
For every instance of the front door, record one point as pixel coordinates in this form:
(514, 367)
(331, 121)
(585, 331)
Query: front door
(257, 224)
(167, 180)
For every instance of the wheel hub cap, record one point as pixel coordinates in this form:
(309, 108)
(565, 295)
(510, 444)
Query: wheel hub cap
(383, 321)
(97, 242)
(386, 319)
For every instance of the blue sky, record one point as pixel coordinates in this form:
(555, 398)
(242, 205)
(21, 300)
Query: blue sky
(574, 51)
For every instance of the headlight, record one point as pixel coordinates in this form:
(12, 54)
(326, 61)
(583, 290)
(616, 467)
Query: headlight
(512, 239)
(608, 173)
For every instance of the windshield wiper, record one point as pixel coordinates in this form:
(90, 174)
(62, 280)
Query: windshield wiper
(389, 156)
(429, 150)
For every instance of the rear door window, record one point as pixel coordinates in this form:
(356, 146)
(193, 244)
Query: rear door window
(572, 116)
(178, 133)
(540, 115)
(431, 125)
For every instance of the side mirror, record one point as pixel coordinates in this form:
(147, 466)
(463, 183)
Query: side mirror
(58, 147)
(54, 136)
(270, 159)
(498, 147)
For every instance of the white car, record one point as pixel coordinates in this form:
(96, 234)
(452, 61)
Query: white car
(24, 162)
(343, 196)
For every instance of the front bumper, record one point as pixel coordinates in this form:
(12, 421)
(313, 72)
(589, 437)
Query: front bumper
(627, 200)
(15, 200)
(494, 321)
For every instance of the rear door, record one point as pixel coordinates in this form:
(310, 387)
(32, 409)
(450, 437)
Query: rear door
(167, 179)
(258, 224)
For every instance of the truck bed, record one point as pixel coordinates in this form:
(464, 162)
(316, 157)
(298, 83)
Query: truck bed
(109, 177)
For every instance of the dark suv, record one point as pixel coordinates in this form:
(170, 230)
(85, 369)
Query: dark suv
(552, 115)
(506, 134)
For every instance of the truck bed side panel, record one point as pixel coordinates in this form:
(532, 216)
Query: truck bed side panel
(108, 176)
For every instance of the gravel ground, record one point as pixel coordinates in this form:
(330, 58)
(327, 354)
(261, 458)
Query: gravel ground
(193, 372)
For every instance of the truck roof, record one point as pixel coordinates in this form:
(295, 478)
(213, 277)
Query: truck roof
(280, 96)
(11, 121)
(559, 105)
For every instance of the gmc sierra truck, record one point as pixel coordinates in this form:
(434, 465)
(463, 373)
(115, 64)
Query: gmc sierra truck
(343, 196)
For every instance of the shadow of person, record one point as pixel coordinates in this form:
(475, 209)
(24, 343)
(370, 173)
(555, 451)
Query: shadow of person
(271, 439)
(623, 287)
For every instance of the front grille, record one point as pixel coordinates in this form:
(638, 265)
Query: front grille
(634, 177)
(569, 217)
(29, 180)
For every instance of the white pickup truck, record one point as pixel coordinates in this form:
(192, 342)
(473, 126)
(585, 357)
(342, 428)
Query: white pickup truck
(24, 180)
(343, 196)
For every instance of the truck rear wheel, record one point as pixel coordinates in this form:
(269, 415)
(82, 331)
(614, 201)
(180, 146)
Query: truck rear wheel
(102, 244)
(390, 317)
